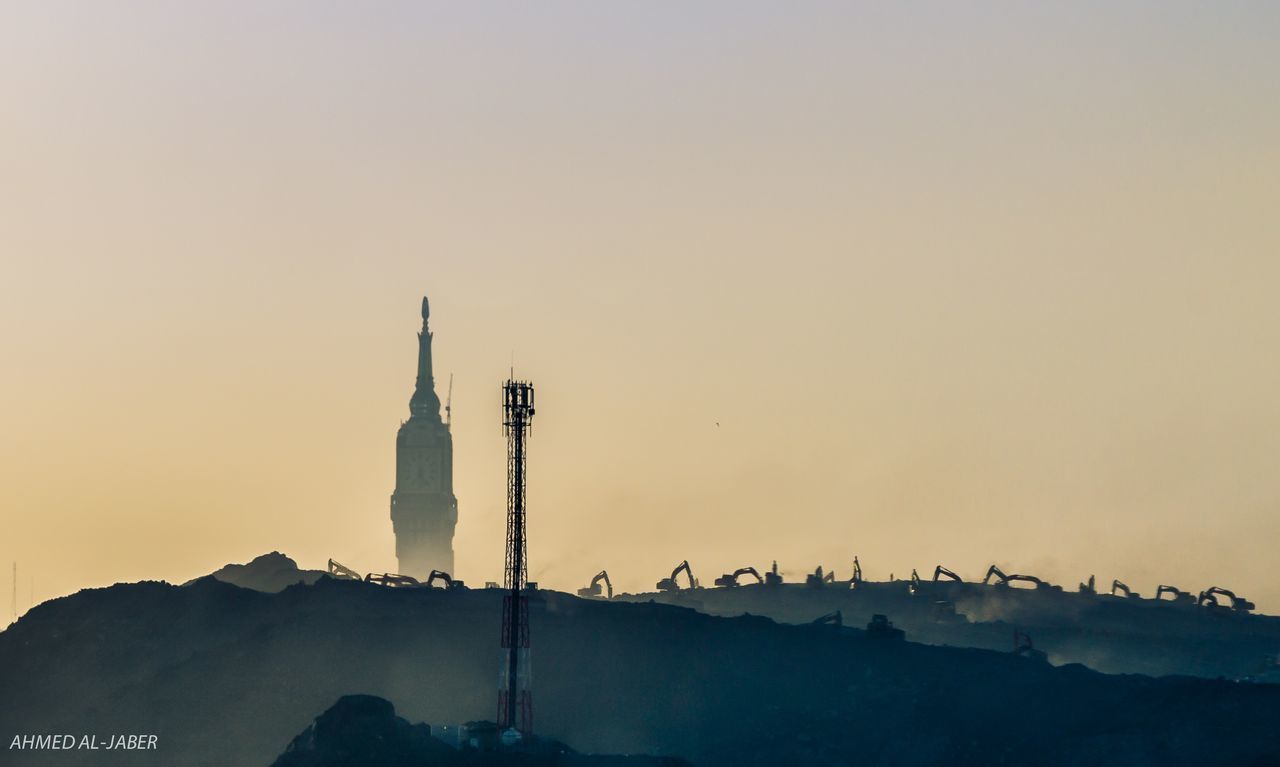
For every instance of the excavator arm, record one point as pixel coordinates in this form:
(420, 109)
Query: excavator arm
(441, 575)
(342, 572)
(996, 572)
(671, 584)
(940, 571)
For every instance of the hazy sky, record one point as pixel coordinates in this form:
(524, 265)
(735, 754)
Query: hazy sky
(962, 283)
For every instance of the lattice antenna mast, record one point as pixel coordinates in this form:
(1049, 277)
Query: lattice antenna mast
(515, 702)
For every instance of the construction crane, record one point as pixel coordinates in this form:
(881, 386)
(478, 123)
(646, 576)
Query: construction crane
(392, 580)
(1117, 585)
(1088, 588)
(940, 571)
(448, 406)
(1210, 597)
(441, 575)
(671, 584)
(731, 579)
(594, 589)
(773, 577)
(342, 572)
(1180, 597)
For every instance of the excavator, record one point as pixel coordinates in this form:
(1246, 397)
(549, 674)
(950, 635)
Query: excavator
(1180, 597)
(830, 619)
(1004, 580)
(731, 579)
(1023, 648)
(594, 589)
(670, 584)
(998, 573)
(1117, 585)
(1088, 588)
(818, 579)
(773, 577)
(392, 580)
(857, 573)
(940, 571)
(1210, 597)
(441, 575)
(342, 572)
(1043, 585)
(913, 586)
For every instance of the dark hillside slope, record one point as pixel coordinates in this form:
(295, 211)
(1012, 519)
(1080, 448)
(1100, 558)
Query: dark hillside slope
(226, 675)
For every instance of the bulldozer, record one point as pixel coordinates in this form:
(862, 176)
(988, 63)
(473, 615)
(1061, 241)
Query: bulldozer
(593, 590)
(342, 572)
(1117, 585)
(1180, 597)
(1209, 597)
(671, 584)
(441, 575)
(881, 627)
(731, 579)
(392, 580)
(773, 577)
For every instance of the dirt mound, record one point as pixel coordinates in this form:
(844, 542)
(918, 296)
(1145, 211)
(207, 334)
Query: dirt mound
(270, 573)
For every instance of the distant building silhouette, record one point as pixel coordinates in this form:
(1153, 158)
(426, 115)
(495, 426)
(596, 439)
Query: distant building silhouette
(424, 511)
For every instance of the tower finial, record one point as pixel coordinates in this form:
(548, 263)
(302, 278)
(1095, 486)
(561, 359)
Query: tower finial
(424, 402)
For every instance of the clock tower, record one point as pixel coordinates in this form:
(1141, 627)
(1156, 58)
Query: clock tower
(423, 509)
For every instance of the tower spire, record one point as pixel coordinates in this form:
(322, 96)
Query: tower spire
(424, 402)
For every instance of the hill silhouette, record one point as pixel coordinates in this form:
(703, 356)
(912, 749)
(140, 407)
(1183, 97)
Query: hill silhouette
(226, 675)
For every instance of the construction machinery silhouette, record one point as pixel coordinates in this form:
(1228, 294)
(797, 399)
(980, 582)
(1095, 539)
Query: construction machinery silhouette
(671, 584)
(1023, 648)
(819, 579)
(1179, 597)
(1088, 588)
(392, 580)
(593, 590)
(1209, 597)
(993, 571)
(830, 619)
(342, 572)
(731, 579)
(1117, 585)
(881, 627)
(773, 577)
(440, 575)
(1004, 580)
(940, 571)
(857, 573)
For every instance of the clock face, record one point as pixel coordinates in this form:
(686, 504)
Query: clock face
(422, 469)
